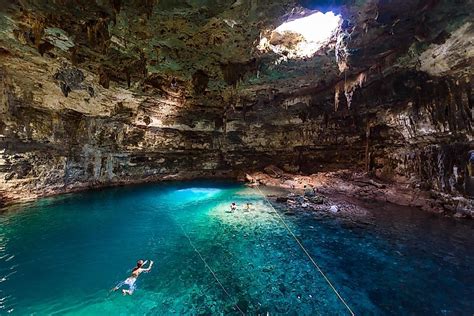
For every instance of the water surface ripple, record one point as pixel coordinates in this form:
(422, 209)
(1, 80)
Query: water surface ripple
(62, 256)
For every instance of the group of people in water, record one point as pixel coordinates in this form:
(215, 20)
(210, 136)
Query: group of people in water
(233, 206)
(139, 268)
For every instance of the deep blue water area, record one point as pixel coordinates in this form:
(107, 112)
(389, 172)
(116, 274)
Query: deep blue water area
(62, 255)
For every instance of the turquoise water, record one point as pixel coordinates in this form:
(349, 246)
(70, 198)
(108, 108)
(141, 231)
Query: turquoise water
(62, 256)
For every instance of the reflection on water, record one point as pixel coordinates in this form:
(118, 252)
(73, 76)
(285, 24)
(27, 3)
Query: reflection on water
(62, 255)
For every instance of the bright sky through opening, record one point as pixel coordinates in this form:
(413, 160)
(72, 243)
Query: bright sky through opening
(316, 29)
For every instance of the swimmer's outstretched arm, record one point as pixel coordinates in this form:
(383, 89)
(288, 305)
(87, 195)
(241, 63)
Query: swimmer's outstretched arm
(149, 266)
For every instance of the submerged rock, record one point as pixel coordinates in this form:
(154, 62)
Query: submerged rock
(316, 199)
(281, 199)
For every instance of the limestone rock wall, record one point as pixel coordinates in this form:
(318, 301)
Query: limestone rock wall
(411, 134)
(96, 93)
(422, 132)
(47, 149)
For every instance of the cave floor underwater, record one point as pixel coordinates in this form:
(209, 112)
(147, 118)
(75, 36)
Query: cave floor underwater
(62, 255)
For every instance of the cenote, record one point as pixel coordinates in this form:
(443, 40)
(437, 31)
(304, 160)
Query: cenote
(62, 255)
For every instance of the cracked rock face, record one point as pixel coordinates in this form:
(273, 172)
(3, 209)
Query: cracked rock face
(103, 92)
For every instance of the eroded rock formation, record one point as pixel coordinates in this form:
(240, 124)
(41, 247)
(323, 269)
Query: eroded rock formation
(103, 92)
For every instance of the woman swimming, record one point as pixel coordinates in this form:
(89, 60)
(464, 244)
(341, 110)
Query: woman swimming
(130, 281)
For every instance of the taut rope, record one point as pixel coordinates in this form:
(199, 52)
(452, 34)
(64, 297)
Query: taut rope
(210, 269)
(307, 254)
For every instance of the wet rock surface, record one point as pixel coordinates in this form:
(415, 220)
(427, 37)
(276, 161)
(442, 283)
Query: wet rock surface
(99, 93)
(345, 193)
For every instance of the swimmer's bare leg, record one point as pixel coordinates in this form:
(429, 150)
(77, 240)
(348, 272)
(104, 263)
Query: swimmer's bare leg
(125, 292)
(118, 286)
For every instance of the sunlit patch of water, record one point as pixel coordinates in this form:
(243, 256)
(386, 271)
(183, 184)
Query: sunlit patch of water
(63, 256)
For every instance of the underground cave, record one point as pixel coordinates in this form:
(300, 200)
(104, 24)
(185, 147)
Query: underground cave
(292, 157)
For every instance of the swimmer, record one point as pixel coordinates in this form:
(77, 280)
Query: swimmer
(130, 281)
(233, 207)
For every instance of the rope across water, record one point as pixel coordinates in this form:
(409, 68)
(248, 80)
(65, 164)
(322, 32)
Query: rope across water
(210, 269)
(307, 254)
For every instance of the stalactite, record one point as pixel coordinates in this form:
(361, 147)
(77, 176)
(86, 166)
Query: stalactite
(37, 29)
(367, 145)
(348, 86)
(98, 33)
(73, 57)
(104, 79)
(149, 4)
(336, 97)
(116, 5)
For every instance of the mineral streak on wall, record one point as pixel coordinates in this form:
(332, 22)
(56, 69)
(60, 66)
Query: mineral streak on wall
(94, 93)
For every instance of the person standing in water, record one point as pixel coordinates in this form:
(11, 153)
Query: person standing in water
(130, 281)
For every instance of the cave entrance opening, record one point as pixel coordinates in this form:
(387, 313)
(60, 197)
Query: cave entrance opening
(302, 37)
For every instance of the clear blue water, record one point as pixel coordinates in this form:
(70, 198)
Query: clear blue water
(62, 255)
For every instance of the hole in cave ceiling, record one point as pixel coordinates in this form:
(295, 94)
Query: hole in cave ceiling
(301, 37)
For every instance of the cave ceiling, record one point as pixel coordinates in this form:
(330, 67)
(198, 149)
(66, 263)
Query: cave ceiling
(205, 52)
